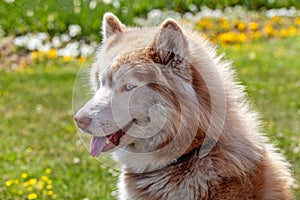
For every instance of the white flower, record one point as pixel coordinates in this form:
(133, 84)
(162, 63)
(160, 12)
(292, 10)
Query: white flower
(34, 43)
(56, 42)
(93, 5)
(71, 49)
(74, 30)
(46, 47)
(42, 36)
(86, 50)
(65, 37)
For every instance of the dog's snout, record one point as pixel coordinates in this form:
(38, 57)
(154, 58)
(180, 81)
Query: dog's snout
(82, 121)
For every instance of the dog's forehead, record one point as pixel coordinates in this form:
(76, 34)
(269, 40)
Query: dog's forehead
(123, 50)
(129, 41)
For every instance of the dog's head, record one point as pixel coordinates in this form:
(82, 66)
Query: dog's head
(147, 99)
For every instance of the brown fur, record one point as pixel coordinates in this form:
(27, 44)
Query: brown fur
(241, 164)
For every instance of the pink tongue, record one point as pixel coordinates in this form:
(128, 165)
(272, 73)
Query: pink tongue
(96, 146)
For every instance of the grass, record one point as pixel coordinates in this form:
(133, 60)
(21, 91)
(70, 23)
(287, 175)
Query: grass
(38, 132)
(55, 15)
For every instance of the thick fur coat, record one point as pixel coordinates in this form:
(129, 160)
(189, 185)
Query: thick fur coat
(172, 113)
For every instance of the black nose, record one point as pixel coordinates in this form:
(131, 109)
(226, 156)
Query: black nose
(82, 121)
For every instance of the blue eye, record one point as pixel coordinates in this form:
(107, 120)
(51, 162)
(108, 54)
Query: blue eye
(99, 84)
(129, 87)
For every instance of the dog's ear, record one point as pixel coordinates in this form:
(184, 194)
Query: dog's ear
(170, 41)
(111, 25)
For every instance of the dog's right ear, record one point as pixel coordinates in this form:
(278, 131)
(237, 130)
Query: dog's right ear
(170, 41)
(111, 25)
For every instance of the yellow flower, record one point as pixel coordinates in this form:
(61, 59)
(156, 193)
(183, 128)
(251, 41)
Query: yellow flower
(45, 178)
(34, 55)
(284, 33)
(29, 188)
(52, 53)
(32, 196)
(17, 182)
(253, 26)
(9, 183)
(25, 184)
(48, 170)
(40, 185)
(29, 150)
(32, 181)
(41, 53)
(241, 26)
(81, 59)
(241, 38)
(297, 21)
(255, 35)
(67, 58)
(269, 30)
(49, 187)
(224, 24)
(50, 192)
(292, 31)
(205, 23)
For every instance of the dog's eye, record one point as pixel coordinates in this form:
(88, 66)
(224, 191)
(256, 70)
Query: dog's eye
(129, 87)
(99, 83)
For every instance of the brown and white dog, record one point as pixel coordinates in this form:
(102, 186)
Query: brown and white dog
(172, 113)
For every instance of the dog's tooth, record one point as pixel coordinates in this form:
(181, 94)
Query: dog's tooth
(107, 141)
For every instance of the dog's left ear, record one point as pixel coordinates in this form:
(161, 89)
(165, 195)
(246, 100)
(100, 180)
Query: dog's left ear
(111, 25)
(170, 41)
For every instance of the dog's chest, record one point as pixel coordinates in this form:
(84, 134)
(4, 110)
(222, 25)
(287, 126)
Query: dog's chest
(168, 184)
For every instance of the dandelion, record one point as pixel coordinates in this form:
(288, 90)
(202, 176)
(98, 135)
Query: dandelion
(255, 35)
(48, 170)
(269, 30)
(25, 184)
(49, 187)
(41, 53)
(292, 31)
(81, 59)
(32, 196)
(45, 178)
(67, 58)
(29, 189)
(9, 183)
(50, 192)
(297, 21)
(17, 182)
(34, 55)
(241, 26)
(40, 185)
(284, 33)
(253, 26)
(52, 53)
(32, 181)
(224, 24)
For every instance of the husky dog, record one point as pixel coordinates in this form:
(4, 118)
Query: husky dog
(172, 113)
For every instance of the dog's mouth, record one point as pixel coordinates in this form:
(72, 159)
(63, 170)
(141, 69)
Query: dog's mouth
(106, 143)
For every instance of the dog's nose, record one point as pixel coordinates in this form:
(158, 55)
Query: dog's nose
(82, 121)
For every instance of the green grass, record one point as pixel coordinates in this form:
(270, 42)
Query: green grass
(24, 16)
(37, 129)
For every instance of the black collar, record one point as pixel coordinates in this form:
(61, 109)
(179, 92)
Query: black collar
(194, 152)
(186, 157)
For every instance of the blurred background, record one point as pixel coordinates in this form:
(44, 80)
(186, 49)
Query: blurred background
(43, 44)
